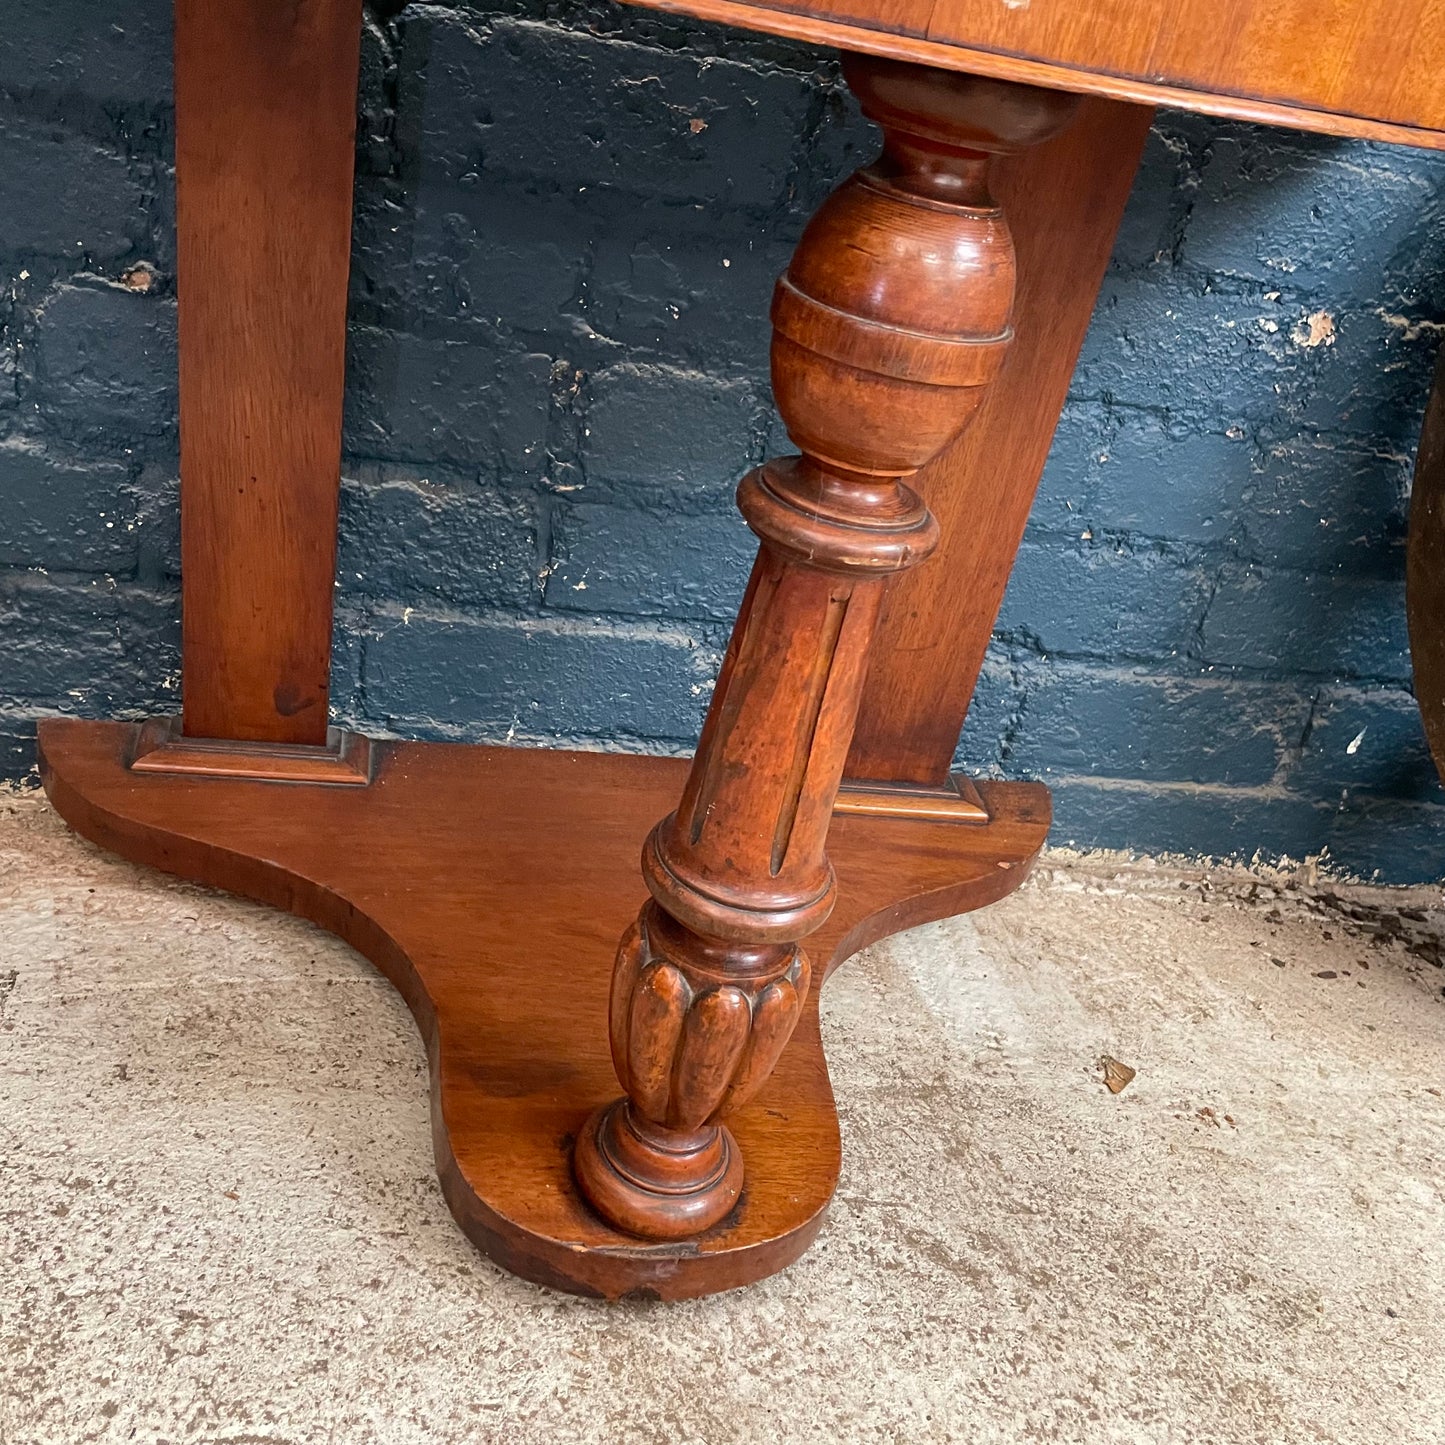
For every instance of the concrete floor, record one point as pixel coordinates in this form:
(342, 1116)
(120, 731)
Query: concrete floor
(219, 1222)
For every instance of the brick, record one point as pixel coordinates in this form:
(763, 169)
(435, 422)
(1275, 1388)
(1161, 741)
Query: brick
(95, 649)
(347, 699)
(658, 432)
(104, 367)
(479, 97)
(449, 257)
(462, 403)
(1213, 362)
(1104, 601)
(9, 377)
(1108, 722)
(490, 676)
(988, 731)
(1318, 502)
(1172, 482)
(1062, 501)
(836, 141)
(1305, 212)
(65, 47)
(17, 749)
(435, 537)
(1370, 381)
(375, 102)
(697, 299)
(1365, 740)
(1163, 188)
(65, 516)
(1213, 822)
(646, 564)
(1388, 840)
(158, 525)
(1311, 625)
(95, 216)
(1143, 325)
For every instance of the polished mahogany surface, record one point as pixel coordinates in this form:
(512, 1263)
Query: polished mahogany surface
(1366, 68)
(265, 149)
(889, 326)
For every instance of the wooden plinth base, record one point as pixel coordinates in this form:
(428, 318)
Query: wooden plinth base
(955, 801)
(490, 886)
(345, 760)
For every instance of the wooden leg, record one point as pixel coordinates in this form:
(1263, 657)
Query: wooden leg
(265, 149)
(1064, 200)
(892, 319)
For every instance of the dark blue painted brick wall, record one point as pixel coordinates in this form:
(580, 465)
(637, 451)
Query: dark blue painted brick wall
(569, 216)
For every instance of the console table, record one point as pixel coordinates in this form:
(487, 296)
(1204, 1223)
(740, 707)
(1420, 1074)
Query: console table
(682, 1138)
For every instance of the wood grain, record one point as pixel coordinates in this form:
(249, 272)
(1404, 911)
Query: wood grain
(1373, 59)
(1064, 200)
(490, 885)
(956, 798)
(1353, 91)
(265, 126)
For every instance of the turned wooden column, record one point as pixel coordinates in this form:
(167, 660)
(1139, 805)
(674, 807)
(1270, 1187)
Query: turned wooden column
(888, 325)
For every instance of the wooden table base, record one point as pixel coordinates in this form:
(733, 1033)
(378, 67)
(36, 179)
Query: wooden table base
(490, 885)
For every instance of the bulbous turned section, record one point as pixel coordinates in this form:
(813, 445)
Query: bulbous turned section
(893, 315)
(892, 318)
(695, 1028)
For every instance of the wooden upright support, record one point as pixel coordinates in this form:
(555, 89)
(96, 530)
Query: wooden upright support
(265, 150)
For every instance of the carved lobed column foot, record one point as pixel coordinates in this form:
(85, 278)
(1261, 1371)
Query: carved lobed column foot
(696, 1027)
